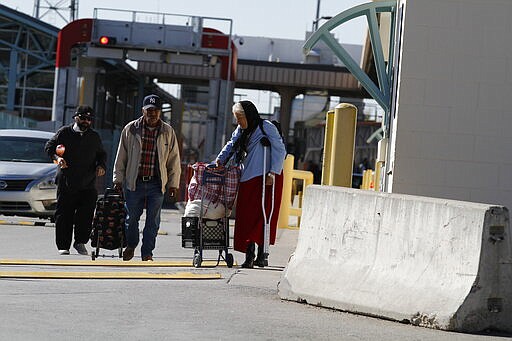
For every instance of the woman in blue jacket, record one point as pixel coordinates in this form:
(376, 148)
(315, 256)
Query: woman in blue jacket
(245, 145)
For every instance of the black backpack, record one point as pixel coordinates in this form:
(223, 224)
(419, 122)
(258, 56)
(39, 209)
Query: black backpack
(278, 126)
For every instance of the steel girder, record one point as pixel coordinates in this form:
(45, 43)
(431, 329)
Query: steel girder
(381, 92)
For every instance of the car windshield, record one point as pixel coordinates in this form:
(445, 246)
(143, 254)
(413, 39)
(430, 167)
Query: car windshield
(23, 149)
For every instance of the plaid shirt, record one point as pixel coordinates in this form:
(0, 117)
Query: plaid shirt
(148, 153)
(212, 190)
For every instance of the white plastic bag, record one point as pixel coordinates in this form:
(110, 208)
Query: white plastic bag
(210, 210)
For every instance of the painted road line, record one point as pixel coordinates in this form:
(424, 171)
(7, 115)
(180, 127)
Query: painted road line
(106, 275)
(101, 262)
(160, 232)
(25, 223)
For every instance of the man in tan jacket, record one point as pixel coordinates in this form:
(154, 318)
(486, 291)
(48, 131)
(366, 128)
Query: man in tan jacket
(148, 164)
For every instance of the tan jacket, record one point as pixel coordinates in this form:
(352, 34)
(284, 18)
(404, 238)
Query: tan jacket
(126, 166)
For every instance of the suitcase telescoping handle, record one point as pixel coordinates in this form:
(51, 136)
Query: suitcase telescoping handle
(112, 192)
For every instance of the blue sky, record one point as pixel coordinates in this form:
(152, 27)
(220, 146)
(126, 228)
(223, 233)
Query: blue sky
(287, 19)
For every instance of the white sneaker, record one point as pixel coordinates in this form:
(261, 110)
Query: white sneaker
(80, 248)
(63, 252)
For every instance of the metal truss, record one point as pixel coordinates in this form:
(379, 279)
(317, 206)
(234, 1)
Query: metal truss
(381, 92)
(27, 62)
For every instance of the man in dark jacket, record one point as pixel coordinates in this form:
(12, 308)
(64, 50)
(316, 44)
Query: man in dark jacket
(79, 153)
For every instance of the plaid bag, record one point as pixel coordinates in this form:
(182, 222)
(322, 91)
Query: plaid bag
(213, 192)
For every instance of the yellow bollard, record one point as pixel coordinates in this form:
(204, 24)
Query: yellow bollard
(365, 182)
(343, 143)
(307, 179)
(284, 211)
(326, 160)
(380, 162)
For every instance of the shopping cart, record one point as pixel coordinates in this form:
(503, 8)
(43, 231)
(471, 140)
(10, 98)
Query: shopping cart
(201, 233)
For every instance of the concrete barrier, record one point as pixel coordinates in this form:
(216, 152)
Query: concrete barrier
(436, 263)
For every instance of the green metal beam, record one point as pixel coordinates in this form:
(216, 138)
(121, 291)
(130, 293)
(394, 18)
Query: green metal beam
(378, 54)
(380, 93)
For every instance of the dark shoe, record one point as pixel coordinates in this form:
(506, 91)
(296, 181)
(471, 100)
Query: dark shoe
(262, 260)
(128, 253)
(249, 257)
(80, 248)
(147, 258)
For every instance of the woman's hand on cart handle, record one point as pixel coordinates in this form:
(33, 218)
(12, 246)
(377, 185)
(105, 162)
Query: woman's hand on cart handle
(218, 164)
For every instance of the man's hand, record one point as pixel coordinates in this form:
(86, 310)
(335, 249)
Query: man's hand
(100, 171)
(118, 186)
(173, 192)
(61, 162)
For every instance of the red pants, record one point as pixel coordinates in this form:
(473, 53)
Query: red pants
(249, 224)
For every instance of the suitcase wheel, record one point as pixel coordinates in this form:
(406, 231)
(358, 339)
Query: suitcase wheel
(229, 260)
(197, 260)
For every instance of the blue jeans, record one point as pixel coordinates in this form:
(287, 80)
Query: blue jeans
(147, 194)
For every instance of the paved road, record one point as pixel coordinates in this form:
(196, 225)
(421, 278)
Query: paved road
(243, 305)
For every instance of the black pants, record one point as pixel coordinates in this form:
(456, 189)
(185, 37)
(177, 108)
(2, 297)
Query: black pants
(75, 211)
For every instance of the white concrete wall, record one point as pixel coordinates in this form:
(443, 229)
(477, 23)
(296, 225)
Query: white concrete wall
(430, 261)
(453, 136)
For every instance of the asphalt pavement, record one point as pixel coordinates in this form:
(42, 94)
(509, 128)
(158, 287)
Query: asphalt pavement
(233, 304)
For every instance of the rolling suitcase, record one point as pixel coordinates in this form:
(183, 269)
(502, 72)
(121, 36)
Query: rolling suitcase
(108, 230)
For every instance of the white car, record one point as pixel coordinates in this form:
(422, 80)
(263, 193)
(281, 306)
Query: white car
(27, 175)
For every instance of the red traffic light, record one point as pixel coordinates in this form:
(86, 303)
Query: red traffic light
(105, 40)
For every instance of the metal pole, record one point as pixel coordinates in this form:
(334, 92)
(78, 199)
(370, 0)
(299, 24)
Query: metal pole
(73, 10)
(36, 9)
(317, 17)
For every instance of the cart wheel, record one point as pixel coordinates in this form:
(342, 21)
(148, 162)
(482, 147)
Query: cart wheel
(229, 260)
(197, 260)
(93, 255)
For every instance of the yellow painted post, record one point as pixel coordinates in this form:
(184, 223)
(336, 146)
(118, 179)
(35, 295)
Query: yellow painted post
(366, 180)
(326, 159)
(380, 162)
(343, 143)
(372, 180)
(307, 179)
(284, 211)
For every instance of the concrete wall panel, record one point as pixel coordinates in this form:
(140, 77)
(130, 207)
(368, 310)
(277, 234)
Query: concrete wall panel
(453, 99)
(432, 262)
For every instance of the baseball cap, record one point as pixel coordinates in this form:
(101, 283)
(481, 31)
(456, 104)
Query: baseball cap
(152, 101)
(84, 111)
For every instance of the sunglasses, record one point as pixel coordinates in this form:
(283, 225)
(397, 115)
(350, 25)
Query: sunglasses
(84, 118)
